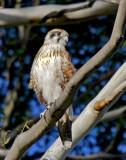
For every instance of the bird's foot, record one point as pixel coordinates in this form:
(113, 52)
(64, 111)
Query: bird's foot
(47, 106)
(42, 115)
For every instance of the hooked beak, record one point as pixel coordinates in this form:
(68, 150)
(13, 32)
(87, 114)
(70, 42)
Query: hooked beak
(65, 38)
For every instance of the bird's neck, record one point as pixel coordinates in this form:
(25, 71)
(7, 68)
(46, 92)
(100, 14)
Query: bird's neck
(53, 48)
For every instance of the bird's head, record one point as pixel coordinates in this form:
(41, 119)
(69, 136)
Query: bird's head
(57, 36)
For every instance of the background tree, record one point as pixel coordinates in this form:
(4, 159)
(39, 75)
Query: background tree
(18, 45)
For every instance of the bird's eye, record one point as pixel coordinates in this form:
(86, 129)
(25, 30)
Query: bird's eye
(57, 33)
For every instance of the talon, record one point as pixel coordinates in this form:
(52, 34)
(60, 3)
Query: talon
(46, 106)
(49, 105)
(42, 114)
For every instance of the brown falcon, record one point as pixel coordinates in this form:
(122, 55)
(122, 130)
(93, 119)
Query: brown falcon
(51, 70)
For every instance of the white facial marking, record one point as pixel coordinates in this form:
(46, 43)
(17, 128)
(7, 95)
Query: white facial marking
(57, 37)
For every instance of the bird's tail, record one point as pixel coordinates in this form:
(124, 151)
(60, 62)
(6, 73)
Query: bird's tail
(65, 128)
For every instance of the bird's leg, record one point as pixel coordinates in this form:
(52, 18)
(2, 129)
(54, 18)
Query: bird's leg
(42, 115)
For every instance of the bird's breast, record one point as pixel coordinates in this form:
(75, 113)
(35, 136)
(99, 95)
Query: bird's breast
(49, 76)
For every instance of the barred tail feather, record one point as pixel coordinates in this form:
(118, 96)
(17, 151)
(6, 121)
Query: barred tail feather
(65, 128)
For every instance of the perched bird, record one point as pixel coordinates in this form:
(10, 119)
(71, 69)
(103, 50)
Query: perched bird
(51, 70)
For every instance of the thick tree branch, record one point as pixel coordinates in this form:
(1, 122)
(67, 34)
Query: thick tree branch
(3, 153)
(56, 14)
(111, 115)
(104, 102)
(20, 127)
(57, 109)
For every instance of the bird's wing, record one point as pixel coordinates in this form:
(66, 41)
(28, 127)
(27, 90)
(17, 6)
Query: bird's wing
(68, 69)
(65, 123)
(33, 85)
(34, 79)
(65, 128)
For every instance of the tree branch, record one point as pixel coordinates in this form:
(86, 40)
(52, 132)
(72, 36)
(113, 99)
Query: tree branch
(3, 153)
(115, 114)
(112, 1)
(82, 96)
(57, 109)
(98, 156)
(19, 128)
(111, 115)
(118, 137)
(104, 102)
(56, 14)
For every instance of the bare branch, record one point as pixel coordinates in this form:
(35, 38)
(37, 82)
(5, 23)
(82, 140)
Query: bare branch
(111, 115)
(56, 14)
(112, 1)
(19, 128)
(115, 114)
(104, 102)
(98, 156)
(118, 137)
(3, 153)
(57, 109)
(82, 96)
(10, 103)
